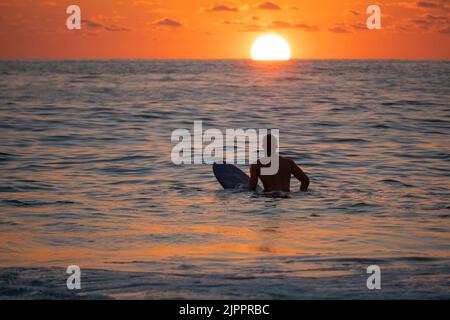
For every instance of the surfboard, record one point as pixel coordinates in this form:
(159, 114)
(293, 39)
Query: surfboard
(230, 177)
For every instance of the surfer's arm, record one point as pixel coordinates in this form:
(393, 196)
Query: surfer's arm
(254, 173)
(301, 176)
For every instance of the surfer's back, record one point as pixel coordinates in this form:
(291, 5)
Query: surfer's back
(281, 181)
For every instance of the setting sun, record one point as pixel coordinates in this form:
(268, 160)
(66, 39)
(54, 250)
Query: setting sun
(271, 48)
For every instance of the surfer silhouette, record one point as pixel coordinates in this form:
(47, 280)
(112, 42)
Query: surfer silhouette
(280, 181)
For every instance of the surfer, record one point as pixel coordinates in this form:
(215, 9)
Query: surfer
(280, 181)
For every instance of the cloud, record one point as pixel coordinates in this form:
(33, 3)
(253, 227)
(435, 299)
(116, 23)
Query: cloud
(440, 6)
(421, 23)
(268, 6)
(428, 4)
(246, 25)
(251, 25)
(293, 8)
(445, 30)
(431, 22)
(253, 28)
(359, 26)
(306, 27)
(167, 22)
(277, 24)
(97, 26)
(92, 24)
(222, 8)
(339, 29)
(437, 18)
(424, 5)
(231, 22)
(116, 28)
(281, 24)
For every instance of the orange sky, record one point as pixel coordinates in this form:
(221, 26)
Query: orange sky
(315, 29)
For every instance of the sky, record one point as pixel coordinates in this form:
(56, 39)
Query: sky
(208, 29)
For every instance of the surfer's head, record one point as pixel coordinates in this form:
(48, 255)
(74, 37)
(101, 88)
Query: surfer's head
(270, 144)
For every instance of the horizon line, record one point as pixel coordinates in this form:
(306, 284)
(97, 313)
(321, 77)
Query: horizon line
(218, 59)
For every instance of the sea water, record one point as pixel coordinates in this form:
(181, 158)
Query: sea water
(86, 179)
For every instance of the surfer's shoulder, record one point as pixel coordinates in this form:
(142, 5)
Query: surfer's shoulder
(286, 159)
(288, 162)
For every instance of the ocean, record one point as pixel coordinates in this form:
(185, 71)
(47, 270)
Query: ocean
(86, 179)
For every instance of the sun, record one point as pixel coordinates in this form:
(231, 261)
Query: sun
(271, 48)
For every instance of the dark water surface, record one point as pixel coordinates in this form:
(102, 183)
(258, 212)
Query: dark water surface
(86, 178)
